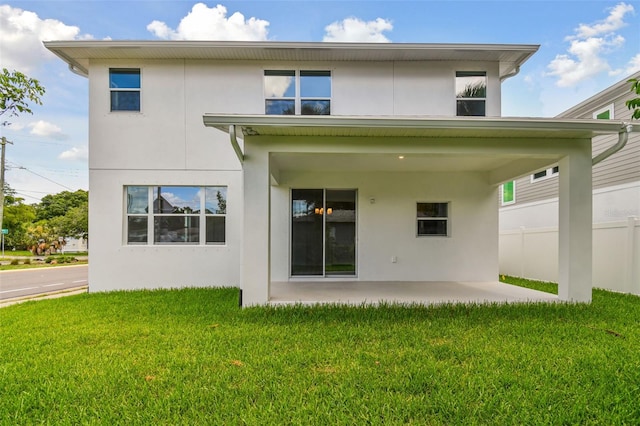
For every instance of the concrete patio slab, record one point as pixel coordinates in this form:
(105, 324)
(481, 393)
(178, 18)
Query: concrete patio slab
(425, 293)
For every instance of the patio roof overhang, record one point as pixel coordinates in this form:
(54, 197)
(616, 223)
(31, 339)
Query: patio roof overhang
(506, 148)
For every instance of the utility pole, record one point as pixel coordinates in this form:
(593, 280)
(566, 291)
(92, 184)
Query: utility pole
(3, 145)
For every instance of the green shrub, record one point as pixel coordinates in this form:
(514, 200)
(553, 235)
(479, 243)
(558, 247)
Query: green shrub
(27, 262)
(15, 262)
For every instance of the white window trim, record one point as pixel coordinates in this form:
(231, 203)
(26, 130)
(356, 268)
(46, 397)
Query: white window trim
(609, 108)
(508, 203)
(447, 218)
(298, 98)
(550, 173)
(202, 231)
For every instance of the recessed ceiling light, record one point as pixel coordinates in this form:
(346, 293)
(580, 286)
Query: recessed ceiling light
(401, 157)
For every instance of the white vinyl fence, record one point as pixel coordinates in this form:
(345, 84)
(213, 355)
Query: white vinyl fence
(533, 254)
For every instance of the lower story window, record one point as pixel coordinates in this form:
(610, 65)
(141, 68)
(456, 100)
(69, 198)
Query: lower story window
(194, 215)
(432, 219)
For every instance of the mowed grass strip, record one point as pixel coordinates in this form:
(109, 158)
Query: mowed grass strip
(193, 357)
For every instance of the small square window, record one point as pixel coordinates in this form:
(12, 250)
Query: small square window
(432, 219)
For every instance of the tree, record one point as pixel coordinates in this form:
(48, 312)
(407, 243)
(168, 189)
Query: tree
(17, 91)
(17, 217)
(54, 205)
(634, 103)
(74, 224)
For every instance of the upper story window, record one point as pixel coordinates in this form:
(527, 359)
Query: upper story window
(471, 93)
(290, 92)
(124, 84)
(508, 193)
(605, 113)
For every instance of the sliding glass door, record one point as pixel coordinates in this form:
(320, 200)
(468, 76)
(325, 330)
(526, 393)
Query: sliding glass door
(323, 232)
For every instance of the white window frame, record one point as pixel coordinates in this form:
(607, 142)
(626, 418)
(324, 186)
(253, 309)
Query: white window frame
(483, 99)
(125, 89)
(551, 172)
(507, 203)
(298, 98)
(609, 108)
(445, 218)
(150, 215)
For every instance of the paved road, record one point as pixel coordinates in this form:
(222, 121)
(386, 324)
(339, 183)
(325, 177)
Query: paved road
(28, 282)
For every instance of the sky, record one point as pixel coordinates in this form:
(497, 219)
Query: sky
(585, 47)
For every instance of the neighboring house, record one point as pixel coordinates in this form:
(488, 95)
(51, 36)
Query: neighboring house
(314, 161)
(529, 217)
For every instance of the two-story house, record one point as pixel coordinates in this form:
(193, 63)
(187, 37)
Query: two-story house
(529, 216)
(259, 163)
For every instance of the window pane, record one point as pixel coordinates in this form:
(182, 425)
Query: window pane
(315, 84)
(279, 84)
(432, 227)
(433, 209)
(471, 84)
(176, 199)
(605, 115)
(216, 200)
(306, 231)
(280, 107)
(124, 79)
(125, 101)
(508, 194)
(137, 199)
(136, 229)
(470, 108)
(215, 229)
(315, 107)
(176, 229)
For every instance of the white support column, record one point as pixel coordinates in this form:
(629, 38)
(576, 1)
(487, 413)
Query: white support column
(255, 273)
(575, 226)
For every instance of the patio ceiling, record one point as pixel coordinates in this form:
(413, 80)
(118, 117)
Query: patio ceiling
(505, 148)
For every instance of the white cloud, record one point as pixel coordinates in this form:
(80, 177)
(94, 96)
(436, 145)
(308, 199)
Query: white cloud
(46, 129)
(22, 33)
(75, 153)
(204, 23)
(586, 55)
(634, 65)
(357, 30)
(610, 24)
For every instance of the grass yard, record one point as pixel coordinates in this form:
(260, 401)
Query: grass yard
(193, 357)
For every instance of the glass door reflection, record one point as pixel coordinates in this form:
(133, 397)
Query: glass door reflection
(323, 232)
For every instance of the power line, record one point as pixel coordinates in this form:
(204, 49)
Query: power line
(44, 177)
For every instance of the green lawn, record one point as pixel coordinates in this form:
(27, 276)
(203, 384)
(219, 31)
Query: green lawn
(193, 357)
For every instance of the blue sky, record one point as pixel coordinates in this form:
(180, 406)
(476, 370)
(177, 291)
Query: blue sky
(585, 46)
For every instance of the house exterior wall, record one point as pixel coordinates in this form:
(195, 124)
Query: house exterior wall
(166, 144)
(386, 224)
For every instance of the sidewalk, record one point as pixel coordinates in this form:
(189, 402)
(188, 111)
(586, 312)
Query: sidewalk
(42, 296)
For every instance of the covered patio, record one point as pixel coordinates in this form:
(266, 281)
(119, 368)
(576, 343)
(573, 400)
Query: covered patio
(402, 292)
(392, 160)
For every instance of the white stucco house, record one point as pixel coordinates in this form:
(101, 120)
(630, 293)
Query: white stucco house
(255, 163)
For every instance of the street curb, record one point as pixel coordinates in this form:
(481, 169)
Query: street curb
(49, 295)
